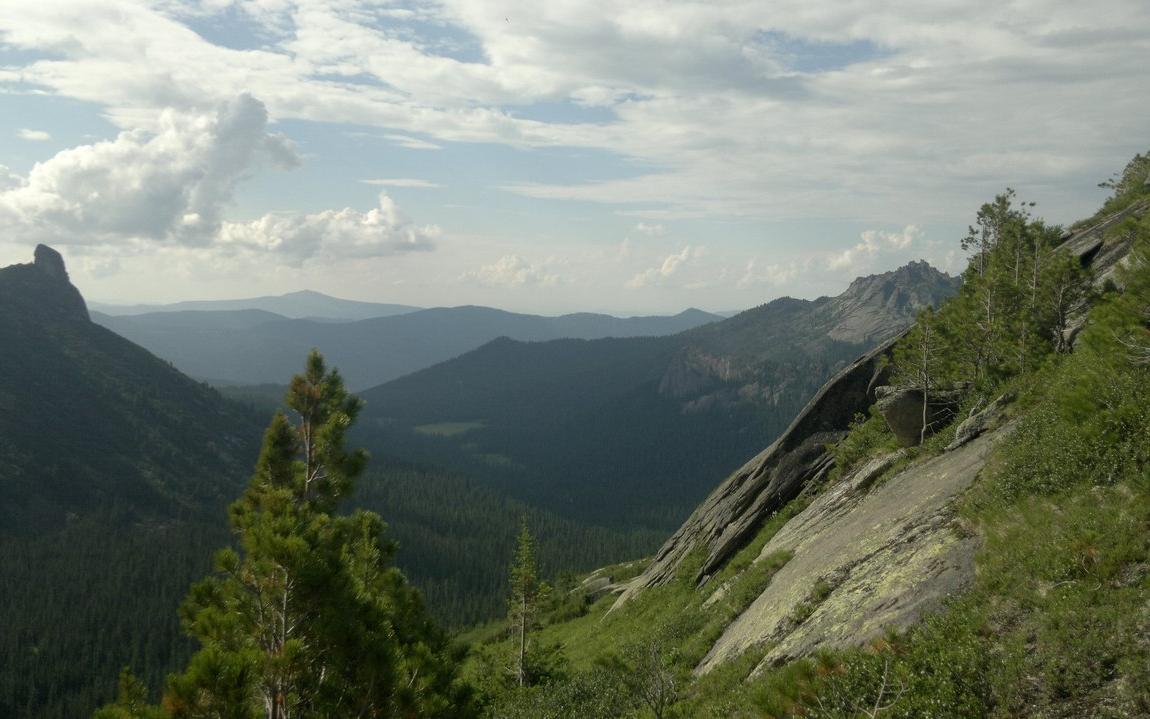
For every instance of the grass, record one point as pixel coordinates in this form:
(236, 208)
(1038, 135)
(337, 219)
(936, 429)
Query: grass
(673, 612)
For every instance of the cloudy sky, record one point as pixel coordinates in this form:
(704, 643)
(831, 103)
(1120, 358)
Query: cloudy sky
(640, 156)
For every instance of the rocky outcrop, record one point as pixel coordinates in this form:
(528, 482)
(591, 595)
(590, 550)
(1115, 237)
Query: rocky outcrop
(863, 313)
(979, 421)
(50, 262)
(879, 558)
(729, 517)
(901, 407)
(1091, 247)
(42, 288)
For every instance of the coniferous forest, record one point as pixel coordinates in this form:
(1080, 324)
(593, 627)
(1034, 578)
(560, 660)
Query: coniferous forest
(458, 359)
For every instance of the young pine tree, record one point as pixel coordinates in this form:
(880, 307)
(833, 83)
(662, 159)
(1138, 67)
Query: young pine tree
(920, 362)
(307, 618)
(523, 600)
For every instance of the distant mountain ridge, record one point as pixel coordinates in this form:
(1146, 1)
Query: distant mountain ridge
(303, 304)
(255, 346)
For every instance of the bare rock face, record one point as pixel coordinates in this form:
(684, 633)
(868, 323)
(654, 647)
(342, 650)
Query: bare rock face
(1091, 248)
(51, 262)
(732, 514)
(881, 557)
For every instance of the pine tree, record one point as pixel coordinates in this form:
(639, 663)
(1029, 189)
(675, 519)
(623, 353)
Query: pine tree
(524, 596)
(306, 617)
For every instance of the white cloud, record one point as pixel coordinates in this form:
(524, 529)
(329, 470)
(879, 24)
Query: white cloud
(412, 143)
(33, 135)
(332, 234)
(8, 179)
(871, 242)
(709, 106)
(172, 187)
(402, 182)
(511, 271)
(650, 229)
(666, 270)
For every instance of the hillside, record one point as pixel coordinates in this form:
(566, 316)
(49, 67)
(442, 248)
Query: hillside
(89, 419)
(254, 346)
(115, 469)
(629, 432)
(954, 526)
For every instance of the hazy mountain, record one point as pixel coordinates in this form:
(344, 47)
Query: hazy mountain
(257, 347)
(302, 304)
(634, 431)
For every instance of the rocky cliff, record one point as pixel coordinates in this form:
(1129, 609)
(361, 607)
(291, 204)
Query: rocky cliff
(42, 288)
(881, 556)
(736, 509)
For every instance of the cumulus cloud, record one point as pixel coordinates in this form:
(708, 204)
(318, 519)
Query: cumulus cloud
(332, 233)
(669, 268)
(33, 135)
(717, 110)
(172, 187)
(9, 179)
(512, 271)
(871, 242)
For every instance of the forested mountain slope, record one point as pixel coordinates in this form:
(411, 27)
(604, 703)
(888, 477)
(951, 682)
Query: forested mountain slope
(114, 468)
(88, 419)
(631, 432)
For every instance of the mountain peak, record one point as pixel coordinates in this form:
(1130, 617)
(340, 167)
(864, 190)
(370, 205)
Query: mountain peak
(50, 261)
(42, 288)
(911, 275)
(866, 310)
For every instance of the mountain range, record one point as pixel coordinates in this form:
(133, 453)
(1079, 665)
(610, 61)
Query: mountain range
(254, 346)
(633, 432)
(303, 304)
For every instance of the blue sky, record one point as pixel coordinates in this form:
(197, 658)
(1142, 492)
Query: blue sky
(550, 157)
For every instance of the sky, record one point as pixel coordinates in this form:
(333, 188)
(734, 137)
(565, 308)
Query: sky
(628, 157)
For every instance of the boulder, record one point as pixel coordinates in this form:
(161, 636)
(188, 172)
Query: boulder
(901, 407)
(979, 421)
